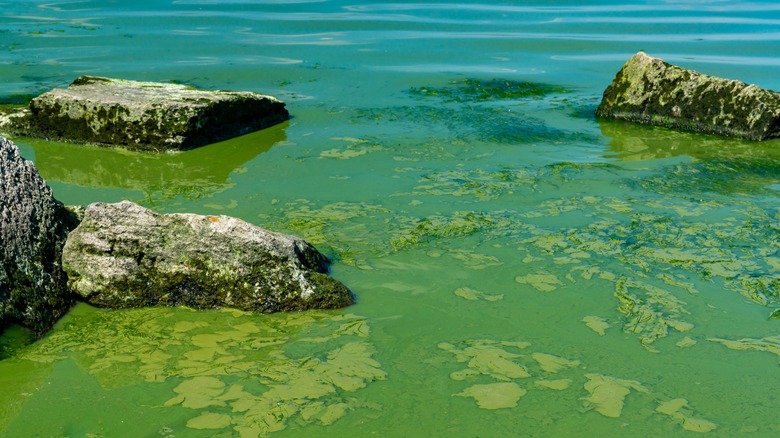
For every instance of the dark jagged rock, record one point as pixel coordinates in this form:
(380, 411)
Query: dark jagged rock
(144, 115)
(650, 91)
(124, 255)
(33, 230)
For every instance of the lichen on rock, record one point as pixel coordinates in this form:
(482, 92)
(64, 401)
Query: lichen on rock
(650, 91)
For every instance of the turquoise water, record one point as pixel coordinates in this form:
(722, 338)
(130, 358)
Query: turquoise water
(521, 269)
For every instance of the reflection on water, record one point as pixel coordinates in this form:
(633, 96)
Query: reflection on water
(719, 165)
(636, 142)
(191, 175)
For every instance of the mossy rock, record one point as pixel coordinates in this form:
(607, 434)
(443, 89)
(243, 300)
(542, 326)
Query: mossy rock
(124, 255)
(650, 91)
(145, 115)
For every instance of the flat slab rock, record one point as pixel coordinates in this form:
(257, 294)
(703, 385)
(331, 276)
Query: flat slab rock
(650, 91)
(124, 255)
(145, 115)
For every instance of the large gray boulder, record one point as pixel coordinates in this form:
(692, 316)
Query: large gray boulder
(650, 91)
(124, 255)
(144, 115)
(33, 230)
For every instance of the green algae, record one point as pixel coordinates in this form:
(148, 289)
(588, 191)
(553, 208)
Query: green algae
(246, 372)
(731, 177)
(541, 281)
(573, 221)
(607, 394)
(467, 109)
(679, 411)
(475, 295)
(494, 395)
(475, 122)
(557, 385)
(551, 363)
(769, 344)
(355, 147)
(597, 324)
(656, 256)
(209, 420)
(650, 312)
(474, 260)
(651, 252)
(477, 90)
(515, 369)
(481, 184)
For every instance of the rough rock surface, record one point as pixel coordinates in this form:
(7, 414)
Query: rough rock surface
(650, 91)
(145, 115)
(124, 255)
(33, 230)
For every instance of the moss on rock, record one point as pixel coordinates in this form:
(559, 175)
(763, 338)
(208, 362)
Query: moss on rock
(145, 115)
(124, 255)
(650, 91)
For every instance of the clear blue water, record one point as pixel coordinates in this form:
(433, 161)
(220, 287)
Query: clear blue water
(521, 268)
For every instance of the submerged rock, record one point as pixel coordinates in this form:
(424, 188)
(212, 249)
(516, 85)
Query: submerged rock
(124, 255)
(144, 115)
(33, 230)
(650, 91)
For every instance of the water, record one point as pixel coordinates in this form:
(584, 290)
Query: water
(521, 269)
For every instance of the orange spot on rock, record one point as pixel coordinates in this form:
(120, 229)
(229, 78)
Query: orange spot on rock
(213, 219)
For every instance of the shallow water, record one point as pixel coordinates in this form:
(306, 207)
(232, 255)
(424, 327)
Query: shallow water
(521, 268)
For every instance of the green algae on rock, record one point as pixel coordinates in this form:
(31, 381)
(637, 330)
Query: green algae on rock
(146, 115)
(124, 255)
(650, 91)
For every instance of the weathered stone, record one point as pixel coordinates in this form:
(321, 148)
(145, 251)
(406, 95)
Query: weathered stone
(145, 115)
(33, 230)
(124, 255)
(650, 91)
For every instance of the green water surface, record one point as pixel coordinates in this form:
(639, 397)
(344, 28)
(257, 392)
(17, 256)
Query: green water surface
(520, 268)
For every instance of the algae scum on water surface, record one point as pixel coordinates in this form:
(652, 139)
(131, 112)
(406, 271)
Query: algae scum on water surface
(513, 373)
(478, 110)
(653, 242)
(232, 370)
